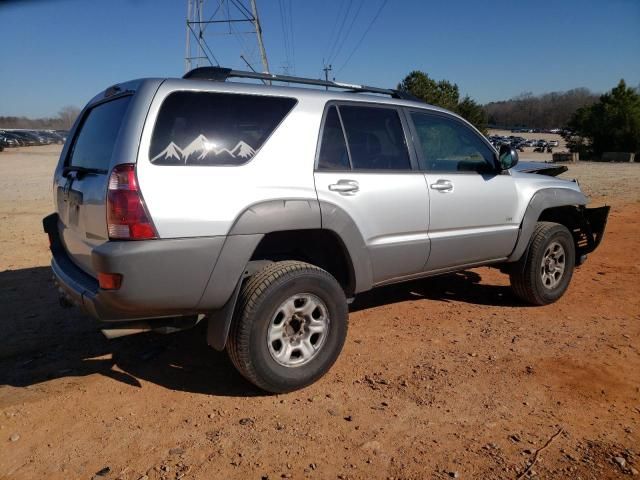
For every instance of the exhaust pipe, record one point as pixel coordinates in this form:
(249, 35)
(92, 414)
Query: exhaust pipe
(131, 328)
(64, 301)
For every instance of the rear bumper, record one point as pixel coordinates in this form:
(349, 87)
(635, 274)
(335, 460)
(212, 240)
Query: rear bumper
(160, 278)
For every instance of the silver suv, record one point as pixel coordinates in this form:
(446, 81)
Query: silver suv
(265, 210)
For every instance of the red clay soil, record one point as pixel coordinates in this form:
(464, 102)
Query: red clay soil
(450, 377)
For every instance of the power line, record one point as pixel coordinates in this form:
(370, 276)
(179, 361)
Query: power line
(373, 20)
(353, 21)
(335, 42)
(293, 43)
(333, 29)
(286, 22)
(284, 32)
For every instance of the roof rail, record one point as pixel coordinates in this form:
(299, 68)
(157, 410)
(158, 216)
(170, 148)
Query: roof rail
(220, 74)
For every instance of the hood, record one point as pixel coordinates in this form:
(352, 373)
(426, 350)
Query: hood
(541, 168)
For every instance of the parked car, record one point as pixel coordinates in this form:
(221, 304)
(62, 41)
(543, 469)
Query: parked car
(17, 140)
(59, 137)
(39, 139)
(9, 140)
(553, 143)
(27, 139)
(46, 137)
(265, 210)
(62, 134)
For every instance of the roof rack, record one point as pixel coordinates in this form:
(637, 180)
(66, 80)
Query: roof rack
(220, 74)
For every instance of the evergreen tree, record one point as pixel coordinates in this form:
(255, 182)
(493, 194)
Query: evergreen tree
(610, 125)
(443, 94)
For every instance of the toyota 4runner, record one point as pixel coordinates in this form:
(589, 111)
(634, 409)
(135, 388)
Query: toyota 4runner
(265, 210)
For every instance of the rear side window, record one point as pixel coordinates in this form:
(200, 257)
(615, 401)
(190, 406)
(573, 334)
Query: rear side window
(200, 128)
(99, 130)
(333, 149)
(375, 137)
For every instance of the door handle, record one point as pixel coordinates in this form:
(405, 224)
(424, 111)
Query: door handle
(442, 186)
(345, 187)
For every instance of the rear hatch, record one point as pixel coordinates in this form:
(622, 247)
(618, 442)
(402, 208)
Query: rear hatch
(81, 179)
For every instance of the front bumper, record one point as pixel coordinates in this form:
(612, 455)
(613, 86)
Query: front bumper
(160, 278)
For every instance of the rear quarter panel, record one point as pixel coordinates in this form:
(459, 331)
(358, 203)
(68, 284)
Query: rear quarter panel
(192, 201)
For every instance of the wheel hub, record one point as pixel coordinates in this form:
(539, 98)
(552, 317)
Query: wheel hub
(553, 263)
(298, 330)
(294, 327)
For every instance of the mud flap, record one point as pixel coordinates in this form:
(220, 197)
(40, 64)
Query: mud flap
(219, 321)
(595, 221)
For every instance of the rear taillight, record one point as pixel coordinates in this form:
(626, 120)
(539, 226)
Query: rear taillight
(127, 217)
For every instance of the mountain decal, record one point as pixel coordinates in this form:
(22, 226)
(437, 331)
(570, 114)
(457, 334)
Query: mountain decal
(199, 150)
(171, 152)
(242, 150)
(201, 146)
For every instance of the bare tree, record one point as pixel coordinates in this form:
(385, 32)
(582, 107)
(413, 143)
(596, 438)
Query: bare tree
(550, 110)
(68, 115)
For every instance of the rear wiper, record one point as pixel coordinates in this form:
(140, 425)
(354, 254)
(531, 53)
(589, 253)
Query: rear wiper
(81, 171)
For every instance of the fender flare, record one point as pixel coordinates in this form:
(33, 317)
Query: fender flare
(301, 214)
(541, 201)
(249, 228)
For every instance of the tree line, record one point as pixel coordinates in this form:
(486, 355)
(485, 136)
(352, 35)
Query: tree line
(546, 111)
(592, 124)
(63, 121)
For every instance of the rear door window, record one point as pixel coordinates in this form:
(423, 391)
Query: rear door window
(375, 137)
(201, 128)
(99, 130)
(333, 148)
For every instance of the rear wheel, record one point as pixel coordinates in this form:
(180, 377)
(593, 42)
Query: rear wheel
(289, 326)
(544, 272)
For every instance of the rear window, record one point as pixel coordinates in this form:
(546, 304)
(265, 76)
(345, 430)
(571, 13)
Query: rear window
(199, 128)
(99, 130)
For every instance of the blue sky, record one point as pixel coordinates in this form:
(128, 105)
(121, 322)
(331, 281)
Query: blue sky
(61, 52)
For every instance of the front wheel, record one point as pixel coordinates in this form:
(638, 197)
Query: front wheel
(289, 327)
(543, 274)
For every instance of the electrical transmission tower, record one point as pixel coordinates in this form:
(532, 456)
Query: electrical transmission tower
(210, 25)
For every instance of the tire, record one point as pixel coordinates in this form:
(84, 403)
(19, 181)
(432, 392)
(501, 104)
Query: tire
(537, 277)
(274, 341)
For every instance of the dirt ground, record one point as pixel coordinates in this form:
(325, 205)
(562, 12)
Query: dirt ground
(450, 377)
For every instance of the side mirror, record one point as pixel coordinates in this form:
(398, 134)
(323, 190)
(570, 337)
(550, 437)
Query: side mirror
(508, 157)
